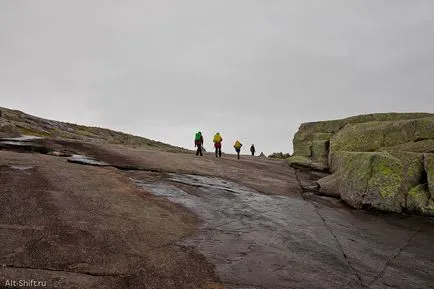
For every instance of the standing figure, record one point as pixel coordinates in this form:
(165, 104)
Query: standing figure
(252, 149)
(218, 145)
(198, 142)
(237, 147)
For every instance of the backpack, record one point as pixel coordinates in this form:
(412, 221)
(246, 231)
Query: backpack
(197, 137)
(217, 138)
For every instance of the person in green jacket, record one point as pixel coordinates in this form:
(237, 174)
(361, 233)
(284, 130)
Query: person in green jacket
(198, 142)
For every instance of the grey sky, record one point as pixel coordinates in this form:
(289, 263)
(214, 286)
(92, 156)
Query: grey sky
(252, 70)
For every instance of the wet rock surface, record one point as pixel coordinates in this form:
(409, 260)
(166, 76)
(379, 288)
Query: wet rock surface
(263, 241)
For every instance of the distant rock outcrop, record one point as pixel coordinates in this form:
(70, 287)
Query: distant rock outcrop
(279, 155)
(381, 161)
(262, 155)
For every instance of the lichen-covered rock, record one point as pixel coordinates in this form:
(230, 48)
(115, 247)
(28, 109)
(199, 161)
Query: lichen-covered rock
(412, 168)
(429, 170)
(422, 146)
(420, 201)
(376, 160)
(320, 151)
(299, 160)
(306, 162)
(372, 180)
(323, 130)
(371, 136)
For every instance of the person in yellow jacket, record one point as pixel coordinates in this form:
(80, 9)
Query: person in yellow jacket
(237, 147)
(218, 145)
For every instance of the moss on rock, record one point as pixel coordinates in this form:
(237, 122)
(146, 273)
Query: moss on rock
(376, 159)
(429, 170)
(371, 179)
(299, 160)
(371, 136)
(420, 201)
(319, 151)
(322, 130)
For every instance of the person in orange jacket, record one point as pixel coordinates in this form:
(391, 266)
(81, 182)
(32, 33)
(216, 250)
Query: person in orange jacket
(218, 145)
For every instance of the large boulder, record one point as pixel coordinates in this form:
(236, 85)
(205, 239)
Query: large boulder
(323, 130)
(380, 161)
(371, 180)
(329, 185)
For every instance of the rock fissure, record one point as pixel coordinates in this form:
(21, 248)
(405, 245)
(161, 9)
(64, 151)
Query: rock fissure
(394, 257)
(93, 274)
(335, 238)
(362, 285)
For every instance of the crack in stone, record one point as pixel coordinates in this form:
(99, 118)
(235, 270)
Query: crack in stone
(334, 236)
(93, 274)
(362, 285)
(391, 259)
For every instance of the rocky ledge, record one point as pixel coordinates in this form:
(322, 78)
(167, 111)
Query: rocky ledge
(380, 161)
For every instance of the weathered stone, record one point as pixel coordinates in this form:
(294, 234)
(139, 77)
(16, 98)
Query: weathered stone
(320, 151)
(420, 201)
(429, 170)
(413, 168)
(423, 146)
(277, 155)
(372, 180)
(329, 185)
(300, 160)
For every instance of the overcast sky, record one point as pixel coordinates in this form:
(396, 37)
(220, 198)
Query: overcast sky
(252, 70)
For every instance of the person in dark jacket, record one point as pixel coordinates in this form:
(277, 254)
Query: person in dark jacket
(252, 149)
(198, 142)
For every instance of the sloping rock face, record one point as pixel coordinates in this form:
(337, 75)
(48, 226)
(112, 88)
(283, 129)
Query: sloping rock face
(380, 161)
(15, 123)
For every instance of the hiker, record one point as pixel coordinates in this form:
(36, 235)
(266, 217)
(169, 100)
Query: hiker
(218, 145)
(237, 147)
(198, 142)
(252, 149)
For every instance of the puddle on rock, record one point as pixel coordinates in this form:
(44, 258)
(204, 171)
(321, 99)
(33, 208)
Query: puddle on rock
(85, 160)
(20, 167)
(22, 138)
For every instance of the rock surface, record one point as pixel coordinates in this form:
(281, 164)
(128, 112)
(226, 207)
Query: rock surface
(250, 223)
(376, 160)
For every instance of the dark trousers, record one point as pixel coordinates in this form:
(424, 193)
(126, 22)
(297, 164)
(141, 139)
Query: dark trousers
(253, 153)
(218, 152)
(199, 150)
(238, 153)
